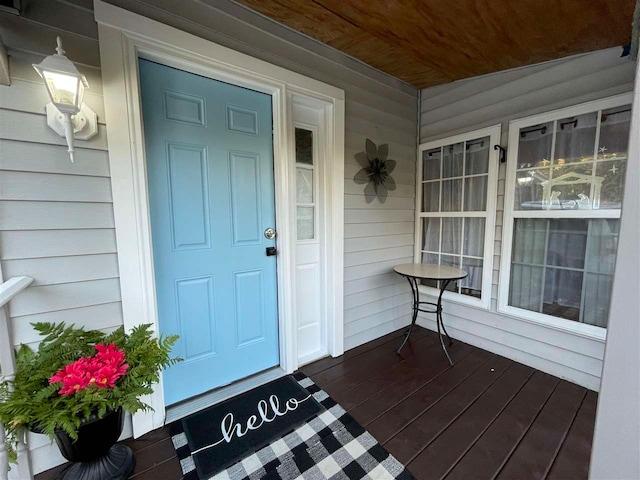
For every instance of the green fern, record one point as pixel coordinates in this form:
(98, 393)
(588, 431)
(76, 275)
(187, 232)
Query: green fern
(29, 401)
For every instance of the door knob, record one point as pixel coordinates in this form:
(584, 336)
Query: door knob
(270, 233)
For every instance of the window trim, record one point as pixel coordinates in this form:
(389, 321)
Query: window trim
(582, 329)
(493, 132)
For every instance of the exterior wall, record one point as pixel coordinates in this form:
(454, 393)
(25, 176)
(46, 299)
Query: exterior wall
(56, 218)
(497, 99)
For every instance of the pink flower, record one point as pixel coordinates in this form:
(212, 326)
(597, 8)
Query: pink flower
(101, 371)
(109, 354)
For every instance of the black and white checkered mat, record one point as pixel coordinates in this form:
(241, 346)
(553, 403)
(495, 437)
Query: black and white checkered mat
(330, 446)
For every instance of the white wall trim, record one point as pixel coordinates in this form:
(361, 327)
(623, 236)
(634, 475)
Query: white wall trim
(576, 328)
(124, 37)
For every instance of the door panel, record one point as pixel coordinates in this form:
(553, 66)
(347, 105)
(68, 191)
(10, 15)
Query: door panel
(209, 152)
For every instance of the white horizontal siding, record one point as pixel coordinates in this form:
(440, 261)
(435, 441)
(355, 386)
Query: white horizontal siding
(480, 102)
(105, 315)
(54, 187)
(54, 270)
(371, 282)
(17, 244)
(37, 215)
(30, 127)
(56, 218)
(41, 157)
(361, 230)
(48, 298)
(377, 242)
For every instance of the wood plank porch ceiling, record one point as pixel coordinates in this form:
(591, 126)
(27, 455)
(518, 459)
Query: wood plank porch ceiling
(430, 42)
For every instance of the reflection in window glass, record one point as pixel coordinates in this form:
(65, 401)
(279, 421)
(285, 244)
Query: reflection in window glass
(558, 263)
(576, 139)
(451, 235)
(451, 261)
(612, 173)
(459, 241)
(431, 164)
(472, 284)
(534, 147)
(473, 244)
(452, 195)
(477, 156)
(452, 160)
(431, 234)
(475, 193)
(530, 187)
(304, 185)
(431, 197)
(304, 146)
(305, 223)
(614, 133)
(582, 172)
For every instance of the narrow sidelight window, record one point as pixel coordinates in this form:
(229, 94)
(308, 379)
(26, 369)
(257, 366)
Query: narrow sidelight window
(305, 186)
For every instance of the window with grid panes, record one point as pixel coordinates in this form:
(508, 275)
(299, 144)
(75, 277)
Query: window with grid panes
(567, 182)
(457, 192)
(305, 187)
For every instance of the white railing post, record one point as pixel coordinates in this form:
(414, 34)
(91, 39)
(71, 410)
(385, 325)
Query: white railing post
(8, 290)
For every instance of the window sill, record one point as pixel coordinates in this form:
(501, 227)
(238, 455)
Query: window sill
(456, 298)
(591, 332)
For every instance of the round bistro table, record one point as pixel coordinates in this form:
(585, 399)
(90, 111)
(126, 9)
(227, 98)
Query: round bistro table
(422, 271)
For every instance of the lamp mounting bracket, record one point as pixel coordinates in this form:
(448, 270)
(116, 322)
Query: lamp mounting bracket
(85, 122)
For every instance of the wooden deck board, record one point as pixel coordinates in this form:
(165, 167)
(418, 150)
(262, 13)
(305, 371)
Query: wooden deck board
(538, 448)
(404, 413)
(483, 418)
(573, 458)
(486, 456)
(423, 429)
(435, 460)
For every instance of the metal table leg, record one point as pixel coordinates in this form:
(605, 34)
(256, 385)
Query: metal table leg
(440, 323)
(416, 305)
(413, 282)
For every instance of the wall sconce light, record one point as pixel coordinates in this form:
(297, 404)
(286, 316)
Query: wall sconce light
(66, 114)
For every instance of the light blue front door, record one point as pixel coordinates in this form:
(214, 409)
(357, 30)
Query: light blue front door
(209, 150)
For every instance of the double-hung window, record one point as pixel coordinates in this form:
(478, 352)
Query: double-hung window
(455, 214)
(564, 189)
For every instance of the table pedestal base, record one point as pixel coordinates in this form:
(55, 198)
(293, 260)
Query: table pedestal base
(438, 311)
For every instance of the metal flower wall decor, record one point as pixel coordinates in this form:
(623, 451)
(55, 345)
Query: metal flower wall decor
(376, 171)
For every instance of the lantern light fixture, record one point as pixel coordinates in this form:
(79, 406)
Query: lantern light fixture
(66, 114)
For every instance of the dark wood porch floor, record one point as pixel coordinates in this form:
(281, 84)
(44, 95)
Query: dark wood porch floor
(486, 417)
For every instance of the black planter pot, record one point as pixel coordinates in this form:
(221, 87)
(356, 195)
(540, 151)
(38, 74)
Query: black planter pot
(96, 455)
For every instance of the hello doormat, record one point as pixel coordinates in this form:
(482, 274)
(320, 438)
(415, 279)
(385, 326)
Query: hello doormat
(330, 445)
(222, 434)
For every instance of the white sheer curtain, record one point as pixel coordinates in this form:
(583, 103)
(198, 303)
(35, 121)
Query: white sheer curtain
(564, 266)
(565, 263)
(457, 183)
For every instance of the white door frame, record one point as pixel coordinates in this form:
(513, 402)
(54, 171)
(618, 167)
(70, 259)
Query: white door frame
(124, 37)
